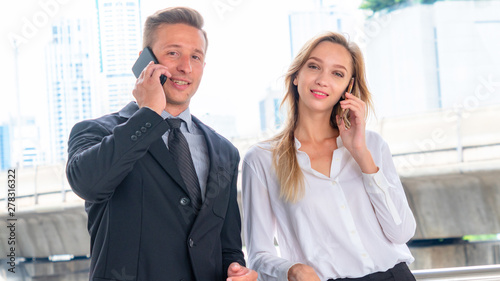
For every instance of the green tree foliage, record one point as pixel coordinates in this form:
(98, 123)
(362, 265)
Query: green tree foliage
(377, 5)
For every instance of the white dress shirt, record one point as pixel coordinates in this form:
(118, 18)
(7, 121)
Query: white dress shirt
(347, 225)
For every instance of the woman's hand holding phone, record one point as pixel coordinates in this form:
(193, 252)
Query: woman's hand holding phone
(354, 138)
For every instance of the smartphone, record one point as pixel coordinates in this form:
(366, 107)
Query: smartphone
(344, 114)
(144, 59)
(349, 88)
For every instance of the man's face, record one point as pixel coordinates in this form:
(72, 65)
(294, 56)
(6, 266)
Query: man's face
(181, 48)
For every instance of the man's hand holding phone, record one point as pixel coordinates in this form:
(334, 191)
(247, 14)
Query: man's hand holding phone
(148, 90)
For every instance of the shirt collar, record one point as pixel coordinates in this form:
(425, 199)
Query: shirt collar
(184, 116)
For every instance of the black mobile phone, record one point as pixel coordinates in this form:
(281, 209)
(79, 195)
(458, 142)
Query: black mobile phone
(143, 60)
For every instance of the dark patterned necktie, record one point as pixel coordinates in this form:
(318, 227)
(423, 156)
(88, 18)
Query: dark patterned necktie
(178, 146)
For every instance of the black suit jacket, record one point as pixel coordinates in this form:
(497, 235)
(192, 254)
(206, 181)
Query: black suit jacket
(141, 224)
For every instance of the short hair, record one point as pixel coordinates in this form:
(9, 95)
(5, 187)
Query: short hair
(172, 15)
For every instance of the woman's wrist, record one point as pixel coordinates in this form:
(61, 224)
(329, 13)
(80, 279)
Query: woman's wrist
(365, 162)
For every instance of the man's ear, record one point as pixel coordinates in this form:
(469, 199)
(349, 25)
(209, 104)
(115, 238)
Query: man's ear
(140, 52)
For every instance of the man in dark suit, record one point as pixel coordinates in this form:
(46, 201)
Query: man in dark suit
(145, 220)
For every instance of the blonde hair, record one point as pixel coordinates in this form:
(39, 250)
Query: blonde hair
(290, 176)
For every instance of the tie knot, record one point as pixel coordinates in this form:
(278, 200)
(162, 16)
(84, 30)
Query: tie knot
(174, 123)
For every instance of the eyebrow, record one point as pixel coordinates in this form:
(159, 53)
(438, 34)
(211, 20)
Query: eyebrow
(196, 50)
(320, 60)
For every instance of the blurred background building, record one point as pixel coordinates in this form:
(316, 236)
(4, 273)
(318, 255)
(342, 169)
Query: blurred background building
(120, 37)
(71, 81)
(443, 55)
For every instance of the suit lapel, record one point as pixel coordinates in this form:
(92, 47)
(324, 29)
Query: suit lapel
(217, 176)
(218, 180)
(157, 149)
(213, 145)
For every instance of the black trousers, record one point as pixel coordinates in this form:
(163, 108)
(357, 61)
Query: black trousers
(400, 272)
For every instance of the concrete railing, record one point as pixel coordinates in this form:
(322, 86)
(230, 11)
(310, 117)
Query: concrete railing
(468, 273)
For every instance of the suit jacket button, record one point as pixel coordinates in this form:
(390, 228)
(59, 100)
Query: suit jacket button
(184, 201)
(148, 125)
(133, 137)
(137, 133)
(191, 243)
(143, 129)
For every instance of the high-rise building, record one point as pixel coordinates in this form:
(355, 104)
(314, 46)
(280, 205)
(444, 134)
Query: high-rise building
(444, 55)
(271, 117)
(71, 75)
(323, 16)
(119, 25)
(4, 147)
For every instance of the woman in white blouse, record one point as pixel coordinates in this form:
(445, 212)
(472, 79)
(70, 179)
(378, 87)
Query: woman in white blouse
(329, 195)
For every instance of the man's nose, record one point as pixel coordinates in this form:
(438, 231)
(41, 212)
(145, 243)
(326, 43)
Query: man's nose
(184, 65)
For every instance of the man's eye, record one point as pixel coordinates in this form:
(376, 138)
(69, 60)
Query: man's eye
(197, 57)
(171, 53)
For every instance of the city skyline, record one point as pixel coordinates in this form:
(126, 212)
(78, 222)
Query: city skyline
(259, 55)
(39, 102)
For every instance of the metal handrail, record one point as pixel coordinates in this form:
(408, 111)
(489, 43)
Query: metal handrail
(467, 273)
(39, 194)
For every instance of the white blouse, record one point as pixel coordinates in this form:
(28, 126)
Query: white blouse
(347, 225)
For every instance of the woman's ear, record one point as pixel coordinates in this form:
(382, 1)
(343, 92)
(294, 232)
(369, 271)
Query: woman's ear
(295, 81)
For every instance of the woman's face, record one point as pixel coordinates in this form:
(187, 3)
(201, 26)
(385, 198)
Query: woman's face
(324, 77)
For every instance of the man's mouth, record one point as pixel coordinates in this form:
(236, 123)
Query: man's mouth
(179, 82)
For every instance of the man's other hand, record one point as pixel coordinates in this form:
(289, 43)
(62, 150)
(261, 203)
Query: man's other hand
(237, 272)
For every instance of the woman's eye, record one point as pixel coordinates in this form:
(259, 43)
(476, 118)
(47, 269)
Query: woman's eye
(339, 74)
(313, 66)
